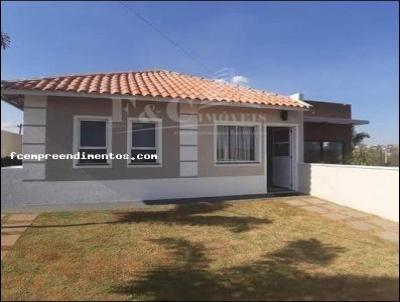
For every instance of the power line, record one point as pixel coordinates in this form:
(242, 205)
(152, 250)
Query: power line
(166, 37)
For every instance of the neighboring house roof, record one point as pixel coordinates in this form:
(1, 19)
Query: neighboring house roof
(331, 113)
(333, 120)
(158, 83)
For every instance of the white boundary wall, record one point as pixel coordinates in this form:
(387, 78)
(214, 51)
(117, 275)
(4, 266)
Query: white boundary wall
(370, 189)
(16, 192)
(10, 142)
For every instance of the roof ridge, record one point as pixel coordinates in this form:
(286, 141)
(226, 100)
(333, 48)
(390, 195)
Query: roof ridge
(87, 74)
(236, 86)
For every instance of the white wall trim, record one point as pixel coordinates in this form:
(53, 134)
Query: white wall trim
(188, 137)
(295, 152)
(35, 116)
(188, 153)
(189, 108)
(35, 100)
(34, 134)
(258, 142)
(188, 168)
(76, 139)
(188, 122)
(34, 149)
(188, 140)
(159, 134)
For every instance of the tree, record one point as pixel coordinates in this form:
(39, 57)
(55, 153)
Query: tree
(376, 155)
(359, 137)
(358, 155)
(5, 40)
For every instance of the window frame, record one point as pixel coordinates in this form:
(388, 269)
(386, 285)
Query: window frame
(158, 141)
(285, 142)
(332, 141)
(77, 140)
(257, 142)
(321, 150)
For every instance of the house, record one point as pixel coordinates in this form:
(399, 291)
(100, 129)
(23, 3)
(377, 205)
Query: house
(10, 142)
(202, 137)
(328, 132)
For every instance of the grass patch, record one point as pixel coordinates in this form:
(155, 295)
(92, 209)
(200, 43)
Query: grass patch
(261, 250)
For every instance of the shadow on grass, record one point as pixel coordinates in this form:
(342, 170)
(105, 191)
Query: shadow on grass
(198, 214)
(218, 199)
(277, 276)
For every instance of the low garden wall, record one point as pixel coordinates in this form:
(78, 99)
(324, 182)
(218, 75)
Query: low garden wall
(370, 189)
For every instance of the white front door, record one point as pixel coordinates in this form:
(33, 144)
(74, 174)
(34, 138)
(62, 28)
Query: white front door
(281, 158)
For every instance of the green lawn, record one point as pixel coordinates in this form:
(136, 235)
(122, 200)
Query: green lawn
(261, 250)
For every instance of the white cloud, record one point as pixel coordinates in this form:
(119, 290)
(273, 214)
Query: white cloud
(234, 80)
(239, 80)
(221, 81)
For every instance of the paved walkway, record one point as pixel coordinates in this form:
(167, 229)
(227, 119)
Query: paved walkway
(384, 229)
(12, 226)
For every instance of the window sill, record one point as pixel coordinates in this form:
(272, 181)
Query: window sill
(225, 163)
(83, 166)
(150, 165)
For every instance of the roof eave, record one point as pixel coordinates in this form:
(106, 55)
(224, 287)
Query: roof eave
(14, 100)
(331, 120)
(6, 93)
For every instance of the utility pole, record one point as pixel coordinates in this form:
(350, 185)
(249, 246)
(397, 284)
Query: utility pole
(385, 152)
(19, 128)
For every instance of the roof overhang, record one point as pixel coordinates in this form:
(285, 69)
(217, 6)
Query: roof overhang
(15, 97)
(16, 100)
(333, 120)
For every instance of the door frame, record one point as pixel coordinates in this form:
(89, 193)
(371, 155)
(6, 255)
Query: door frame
(294, 146)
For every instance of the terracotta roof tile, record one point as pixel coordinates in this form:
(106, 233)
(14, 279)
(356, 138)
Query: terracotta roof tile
(158, 83)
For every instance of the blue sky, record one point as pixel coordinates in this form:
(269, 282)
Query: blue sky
(338, 51)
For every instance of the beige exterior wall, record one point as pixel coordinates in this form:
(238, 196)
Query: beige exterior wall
(188, 145)
(59, 139)
(186, 152)
(10, 142)
(209, 117)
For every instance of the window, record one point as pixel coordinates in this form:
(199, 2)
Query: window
(144, 141)
(323, 152)
(92, 139)
(312, 152)
(332, 152)
(236, 143)
(281, 142)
